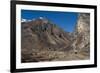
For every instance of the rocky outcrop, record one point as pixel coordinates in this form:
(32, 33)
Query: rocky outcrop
(81, 40)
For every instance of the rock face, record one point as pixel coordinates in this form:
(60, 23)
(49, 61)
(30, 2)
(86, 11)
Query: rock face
(82, 33)
(42, 40)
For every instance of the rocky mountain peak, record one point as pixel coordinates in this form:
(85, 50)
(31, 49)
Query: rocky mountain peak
(41, 21)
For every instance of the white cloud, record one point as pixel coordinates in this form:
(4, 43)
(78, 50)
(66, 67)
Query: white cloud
(24, 20)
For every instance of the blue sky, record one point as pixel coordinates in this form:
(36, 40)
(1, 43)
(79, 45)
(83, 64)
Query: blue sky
(64, 20)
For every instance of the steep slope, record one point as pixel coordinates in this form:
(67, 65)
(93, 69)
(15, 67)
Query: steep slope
(82, 34)
(42, 34)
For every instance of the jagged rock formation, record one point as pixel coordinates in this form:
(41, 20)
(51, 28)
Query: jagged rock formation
(42, 40)
(82, 33)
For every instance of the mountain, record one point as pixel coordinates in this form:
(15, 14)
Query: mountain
(43, 40)
(43, 34)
